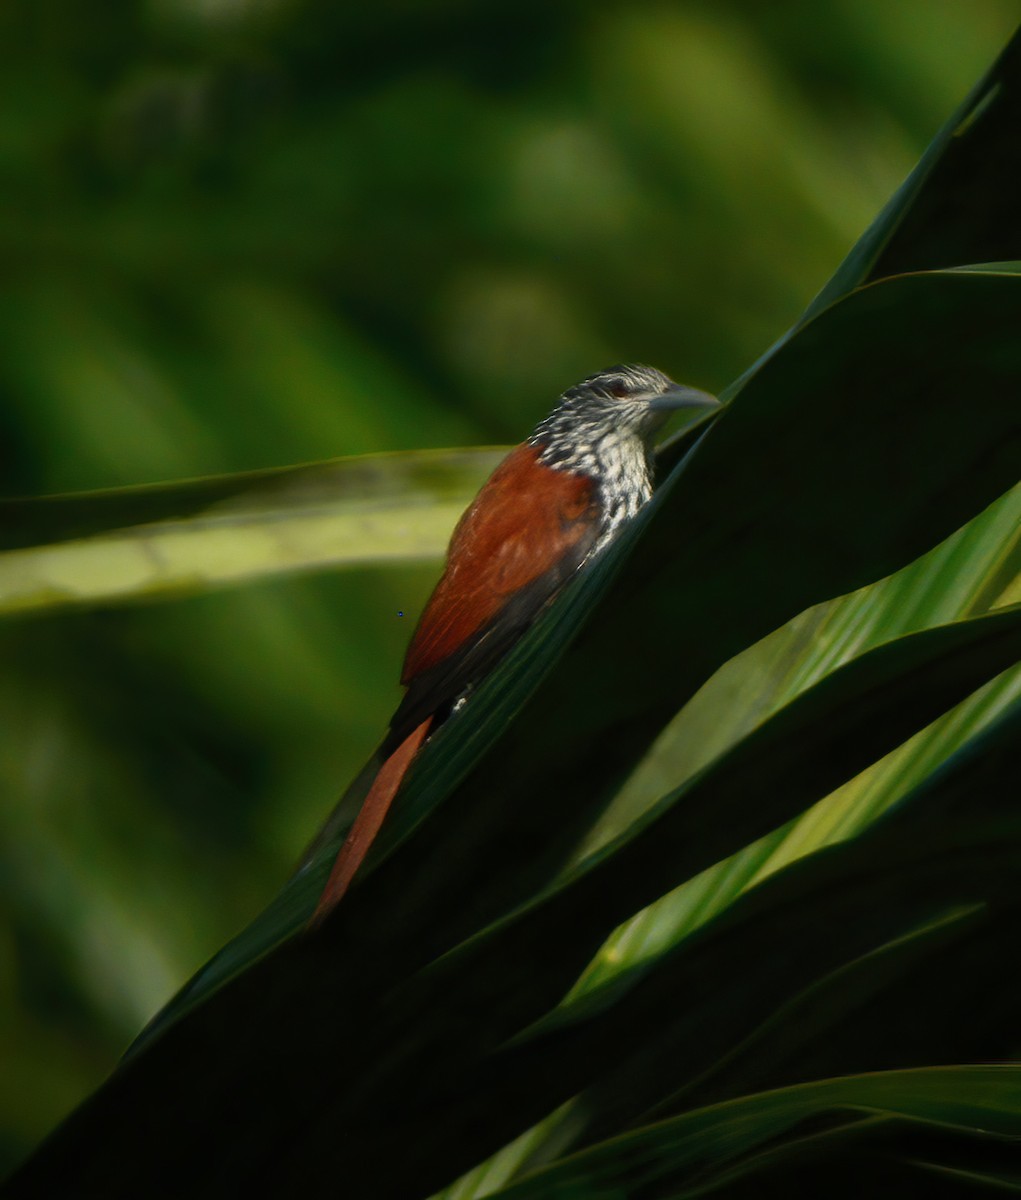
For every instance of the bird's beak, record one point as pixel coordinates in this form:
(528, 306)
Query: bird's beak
(680, 396)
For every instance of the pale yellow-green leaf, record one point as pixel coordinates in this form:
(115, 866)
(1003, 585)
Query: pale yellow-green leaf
(370, 510)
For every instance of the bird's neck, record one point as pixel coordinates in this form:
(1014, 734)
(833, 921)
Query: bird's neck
(617, 462)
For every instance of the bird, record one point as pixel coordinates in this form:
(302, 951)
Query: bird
(548, 510)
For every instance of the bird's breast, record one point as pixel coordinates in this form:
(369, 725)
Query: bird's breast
(624, 482)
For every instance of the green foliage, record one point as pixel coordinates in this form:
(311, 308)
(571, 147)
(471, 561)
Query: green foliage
(132, 543)
(712, 886)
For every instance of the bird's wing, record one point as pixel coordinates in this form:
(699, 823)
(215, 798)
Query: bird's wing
(525, 534)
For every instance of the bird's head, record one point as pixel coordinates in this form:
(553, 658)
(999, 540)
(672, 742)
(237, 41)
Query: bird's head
(620, 407)
(632, 397)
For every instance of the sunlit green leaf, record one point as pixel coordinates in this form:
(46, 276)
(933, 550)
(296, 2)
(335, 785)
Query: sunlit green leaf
(981, 1099)
(140, 542)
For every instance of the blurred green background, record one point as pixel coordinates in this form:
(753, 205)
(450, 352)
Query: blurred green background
(244, 233)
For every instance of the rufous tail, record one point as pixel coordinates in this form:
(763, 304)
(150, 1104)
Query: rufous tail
(369, 820)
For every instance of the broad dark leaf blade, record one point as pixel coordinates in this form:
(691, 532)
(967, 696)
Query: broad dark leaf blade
(691, 537)
(653, 1029)
(825, 735)
(801, 491)
(690, 1149)
(717, 560)
(894, 1007)
(875, 1155)
(966, 209)
(720, 991)
(912, 873)
(960, 203)
(471, 1000)
(880, 1155)
(837, 477)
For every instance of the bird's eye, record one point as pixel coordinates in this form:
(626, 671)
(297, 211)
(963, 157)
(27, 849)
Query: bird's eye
(618, 388)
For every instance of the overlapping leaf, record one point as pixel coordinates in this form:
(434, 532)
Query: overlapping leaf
(425, 1015)
(666, 1158)
(134, 543)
